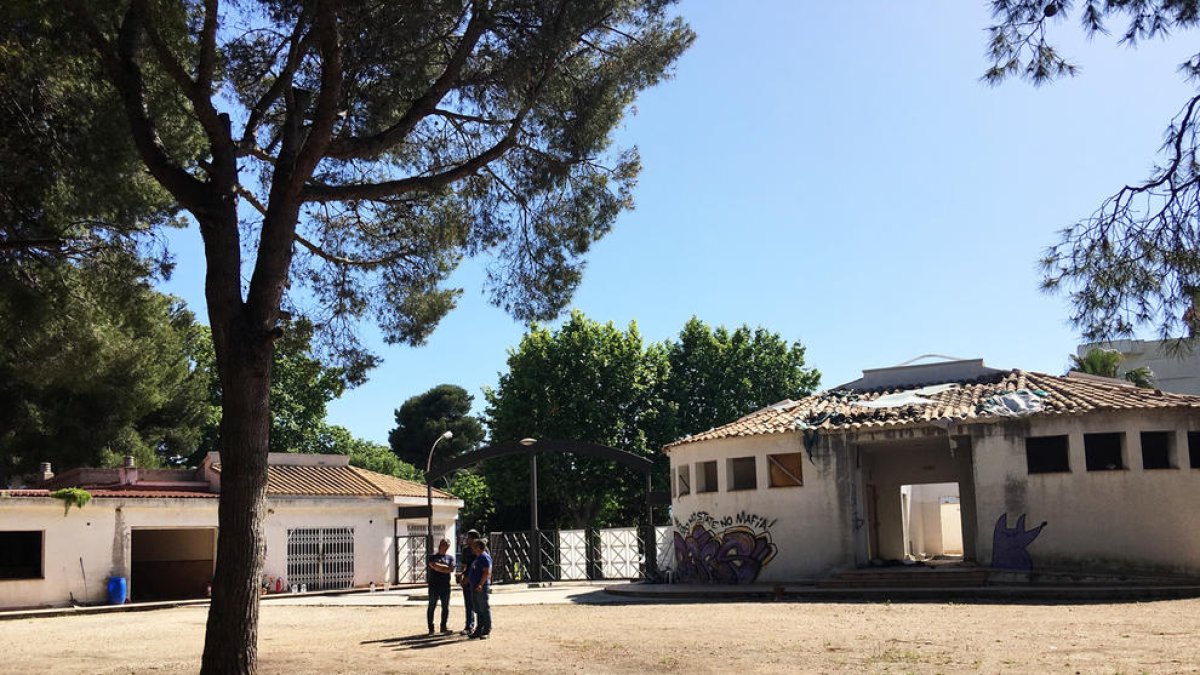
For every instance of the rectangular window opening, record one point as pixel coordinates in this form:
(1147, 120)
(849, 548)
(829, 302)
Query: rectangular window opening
(684, 480)
(21, 555)
(742, 473)
(1194, 449)
(706, 476)
(786, 470)
(1156, 449)
(1104, 452)
(1047, 454)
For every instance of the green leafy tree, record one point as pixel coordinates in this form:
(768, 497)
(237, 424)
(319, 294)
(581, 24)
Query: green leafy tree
(1135, 261)
(302, 386)
(423, 418)
(1107, 363)
(378, 144)
(586, 381)
(478, 503)
(718, 375)
(369, 455)
(94, 365)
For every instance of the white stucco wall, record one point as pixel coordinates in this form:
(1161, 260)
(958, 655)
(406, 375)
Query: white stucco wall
(99, 534)
(96, 537)
(807, 525)
(1131, 519)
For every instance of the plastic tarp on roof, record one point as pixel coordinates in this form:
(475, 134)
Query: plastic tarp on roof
(907, 397)
(1013, 404)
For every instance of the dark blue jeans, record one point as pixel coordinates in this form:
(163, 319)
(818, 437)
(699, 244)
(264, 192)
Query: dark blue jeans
(436, 594)
(468, 600)
(483, 610)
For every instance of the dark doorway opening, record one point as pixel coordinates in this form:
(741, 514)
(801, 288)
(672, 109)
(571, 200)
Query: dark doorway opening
(172, 564)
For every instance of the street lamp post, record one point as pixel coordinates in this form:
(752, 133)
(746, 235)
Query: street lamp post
(447, 435)
(535, 543)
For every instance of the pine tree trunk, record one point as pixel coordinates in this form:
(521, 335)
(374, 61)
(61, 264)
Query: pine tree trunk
(244, 333)
(231, 639)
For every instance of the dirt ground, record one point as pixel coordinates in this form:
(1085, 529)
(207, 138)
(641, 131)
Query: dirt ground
(1156, 637)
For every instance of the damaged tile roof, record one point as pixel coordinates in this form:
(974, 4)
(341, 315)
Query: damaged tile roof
(340, 481)
(975, 400)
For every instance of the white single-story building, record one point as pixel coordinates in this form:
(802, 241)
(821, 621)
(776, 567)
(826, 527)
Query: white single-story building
(328, 525)
(1009, 469)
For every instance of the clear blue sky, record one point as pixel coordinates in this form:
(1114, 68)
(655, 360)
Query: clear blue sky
(836, 173)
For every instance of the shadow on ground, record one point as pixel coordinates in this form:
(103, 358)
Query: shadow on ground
(418, 641)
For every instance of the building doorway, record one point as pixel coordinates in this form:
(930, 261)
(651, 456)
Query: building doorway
(931, 515)
(171, 564)
(919, 500)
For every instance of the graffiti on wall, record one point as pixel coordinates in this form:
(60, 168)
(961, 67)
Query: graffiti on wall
(727, 550)
(1009, 544)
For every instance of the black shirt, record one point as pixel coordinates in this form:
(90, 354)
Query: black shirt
(439, 580)
(468, 557)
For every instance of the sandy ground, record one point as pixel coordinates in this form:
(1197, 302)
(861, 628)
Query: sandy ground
(579, 635)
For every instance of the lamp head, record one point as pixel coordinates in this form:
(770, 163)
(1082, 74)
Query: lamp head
(447, 435)
(527, 441)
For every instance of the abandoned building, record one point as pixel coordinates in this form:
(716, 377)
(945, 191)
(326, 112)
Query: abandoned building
(944, 462)
(329, 525)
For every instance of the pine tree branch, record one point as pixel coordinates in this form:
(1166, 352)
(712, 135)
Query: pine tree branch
(361, 147)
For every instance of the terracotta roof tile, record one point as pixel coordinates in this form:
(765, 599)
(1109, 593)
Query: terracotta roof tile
(843, 410)
(340, 481)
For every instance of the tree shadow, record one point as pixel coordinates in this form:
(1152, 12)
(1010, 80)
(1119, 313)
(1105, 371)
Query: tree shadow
(417, 641)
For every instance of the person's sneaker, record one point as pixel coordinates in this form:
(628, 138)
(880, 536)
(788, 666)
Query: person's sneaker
(466, 631)
(431, 631)
(483, 636)
(476, 636)
(446, 630)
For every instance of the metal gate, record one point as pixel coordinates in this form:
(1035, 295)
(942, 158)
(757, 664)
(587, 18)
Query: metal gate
(321, 558)
(410, 559)
(620, 553)
(611, 553)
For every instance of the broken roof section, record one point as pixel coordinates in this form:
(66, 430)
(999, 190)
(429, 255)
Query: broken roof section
(941, 394)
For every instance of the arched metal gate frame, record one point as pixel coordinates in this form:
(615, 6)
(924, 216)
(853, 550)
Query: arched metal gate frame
(533, 448)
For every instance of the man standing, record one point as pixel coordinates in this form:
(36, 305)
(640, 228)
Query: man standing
(438, 568)
(468, 557)
(481, 583)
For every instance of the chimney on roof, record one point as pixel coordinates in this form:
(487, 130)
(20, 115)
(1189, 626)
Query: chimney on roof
(129, 462)
(45, 472)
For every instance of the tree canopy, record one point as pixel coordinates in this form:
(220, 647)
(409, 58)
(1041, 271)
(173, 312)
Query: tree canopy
(585, 381)
(423, 418)
(1135, 261)
(95, 365)
(718, 375)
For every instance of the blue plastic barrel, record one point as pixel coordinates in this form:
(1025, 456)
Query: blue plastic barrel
(116, 590)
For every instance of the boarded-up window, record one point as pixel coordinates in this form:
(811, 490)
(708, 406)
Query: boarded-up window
(786, 470)
(683, 482)
(742, 474)
(706, 476)
(1156, 449)
(1103, 452)
(21, 555)
(1047, 454)
(1194, 449)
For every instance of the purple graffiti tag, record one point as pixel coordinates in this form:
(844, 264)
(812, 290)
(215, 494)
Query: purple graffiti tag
(1009, 544)
(736, 555)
